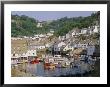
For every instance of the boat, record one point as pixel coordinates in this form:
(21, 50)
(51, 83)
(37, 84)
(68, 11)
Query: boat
(49, 66)
(35, 61)
(64, 66)
(46, 65)
(52, 66)
(32, 62)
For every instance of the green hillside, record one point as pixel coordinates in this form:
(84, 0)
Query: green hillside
(26, 26)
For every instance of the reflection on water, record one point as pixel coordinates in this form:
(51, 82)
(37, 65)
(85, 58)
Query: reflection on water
(38, 70)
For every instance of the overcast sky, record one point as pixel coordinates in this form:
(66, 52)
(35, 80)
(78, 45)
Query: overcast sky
(52, 15)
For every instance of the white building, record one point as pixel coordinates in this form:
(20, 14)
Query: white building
(90, 31)
(42, 36)
(68, 47)
(39, 24)
(19, 58)
(36, 47)
(39, 47)
(67, 36)
(79, 44)
(15, 55)
(36, 35)
(25, 37)
(51, 31)
(48, 45)
(61, 37)
(13, 38)
(74, 32)
(58, 45)
(16, 38)
(96, 29)
(84, 46)
(61, 44)
(84, 31)
(49, 34)
(31, 53)
(14, 60)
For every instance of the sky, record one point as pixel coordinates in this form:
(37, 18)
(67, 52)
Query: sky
(52, 15)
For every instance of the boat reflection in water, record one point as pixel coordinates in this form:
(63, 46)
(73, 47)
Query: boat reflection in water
(57, 67)
(40, 71)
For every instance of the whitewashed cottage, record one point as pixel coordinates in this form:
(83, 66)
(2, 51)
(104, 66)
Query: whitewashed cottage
(96, 29)
(58, 45)
(84, 31)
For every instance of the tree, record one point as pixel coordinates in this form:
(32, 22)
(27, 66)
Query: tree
(28, 26)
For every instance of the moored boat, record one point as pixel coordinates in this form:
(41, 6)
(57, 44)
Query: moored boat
(35, 61)
(49, 66)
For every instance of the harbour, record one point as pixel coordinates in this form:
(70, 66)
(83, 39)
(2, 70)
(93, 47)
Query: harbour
(78, 68)
(61, 47)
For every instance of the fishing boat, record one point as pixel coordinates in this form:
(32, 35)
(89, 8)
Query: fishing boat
(46, 65)
(49, 66)
(34, 61)
(52, 66)
(64, 66)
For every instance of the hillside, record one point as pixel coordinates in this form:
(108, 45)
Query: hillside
(26, 26)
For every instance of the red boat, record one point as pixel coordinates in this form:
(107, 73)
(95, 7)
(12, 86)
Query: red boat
(46, 65)
(34, 61)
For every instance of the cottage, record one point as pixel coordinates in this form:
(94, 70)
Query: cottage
(69, 47)
(31, 54)
(39, 24)
(96, 29)
(66, 48)
(78, 44)
(18, 58)
(14, 58)
(73, 44)
(49, 34)
(58, 45)
(51, 31)
(41, 46)
(75, 32)
(61, 37)
(42, 36)
(84, 31)
(67, 36)
(81, 45)
(37, 47)
(48, 45)
(16, 38)
(90, 31)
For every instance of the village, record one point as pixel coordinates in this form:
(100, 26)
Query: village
(57, 52)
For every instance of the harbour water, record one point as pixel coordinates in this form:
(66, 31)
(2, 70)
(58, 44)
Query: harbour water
(39, 71)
